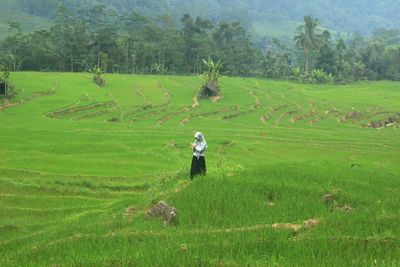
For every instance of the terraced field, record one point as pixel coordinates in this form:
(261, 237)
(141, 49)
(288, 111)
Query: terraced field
(297, 174)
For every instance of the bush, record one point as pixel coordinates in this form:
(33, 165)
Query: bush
(98, 76)
(318, 76)
(211, 75)
(5, 79)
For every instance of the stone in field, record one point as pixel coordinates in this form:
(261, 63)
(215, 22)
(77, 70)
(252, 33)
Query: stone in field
(164, 211)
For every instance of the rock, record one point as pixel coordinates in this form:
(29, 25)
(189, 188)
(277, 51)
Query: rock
(164, 211)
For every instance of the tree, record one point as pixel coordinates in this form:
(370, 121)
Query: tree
(171, 47)
(197, 41)
(307, 39)
(373, 57)
(14, 36)
(4, 79)
(340, 59)
(277, 61)
(103, 35)
(392, 64)
(235, 49)
(326, 58)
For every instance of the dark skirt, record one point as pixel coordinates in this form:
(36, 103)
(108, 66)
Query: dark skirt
(198, 166)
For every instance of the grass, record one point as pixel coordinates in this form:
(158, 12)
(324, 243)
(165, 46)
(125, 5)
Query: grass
(81, 164)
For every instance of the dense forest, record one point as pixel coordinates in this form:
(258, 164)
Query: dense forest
(362, 16)
(134, 43)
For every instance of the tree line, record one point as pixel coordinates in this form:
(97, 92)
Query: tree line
(136, 44)
(345, 16)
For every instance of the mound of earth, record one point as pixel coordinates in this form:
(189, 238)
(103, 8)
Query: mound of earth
(164, 211)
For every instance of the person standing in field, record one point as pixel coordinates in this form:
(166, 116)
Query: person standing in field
(198, 161)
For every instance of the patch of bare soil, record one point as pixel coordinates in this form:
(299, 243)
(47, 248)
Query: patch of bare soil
(31, 97)
(196, 102)
(284, 115)
(216, 98)
(71, 110)
(330, 200)
(307, 224)
(385, 122)
(154, 110)
(170, 115)
(311, 113)
(209, 113)
(271, 112)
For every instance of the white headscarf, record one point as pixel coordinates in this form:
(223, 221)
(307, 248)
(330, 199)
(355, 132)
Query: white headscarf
(200, 145)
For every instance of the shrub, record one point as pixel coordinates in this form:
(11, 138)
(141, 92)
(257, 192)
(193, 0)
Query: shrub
(9, 91)
(211, 76)
(98, 76)
(318, 76)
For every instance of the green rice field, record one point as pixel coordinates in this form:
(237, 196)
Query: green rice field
(297, 175)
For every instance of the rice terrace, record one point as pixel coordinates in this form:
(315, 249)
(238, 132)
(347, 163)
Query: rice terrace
(297, 174)
(199, 133)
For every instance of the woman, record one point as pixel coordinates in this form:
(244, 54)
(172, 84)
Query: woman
(198, 161)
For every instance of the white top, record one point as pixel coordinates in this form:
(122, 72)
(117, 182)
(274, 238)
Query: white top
(199, 145)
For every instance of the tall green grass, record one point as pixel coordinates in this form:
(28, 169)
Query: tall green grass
(81, 164)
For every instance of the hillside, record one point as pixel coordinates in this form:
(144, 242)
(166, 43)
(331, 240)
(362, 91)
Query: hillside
(297, 175)
(265, 17)
(10, 12)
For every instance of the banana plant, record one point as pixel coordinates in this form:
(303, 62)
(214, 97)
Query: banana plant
(211, 75)
(98, 75)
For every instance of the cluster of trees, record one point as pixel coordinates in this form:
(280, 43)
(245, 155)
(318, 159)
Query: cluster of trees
(128, 44)
(346, 16)
(84, 38)
(324, 60)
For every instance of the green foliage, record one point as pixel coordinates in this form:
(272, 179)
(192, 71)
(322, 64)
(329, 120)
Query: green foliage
(319, 76)
(4, 74)
(98, 76)
(277, 62)
(5, 79)
(343, 16)
(354, 71)
(135, 44)
(211, 76)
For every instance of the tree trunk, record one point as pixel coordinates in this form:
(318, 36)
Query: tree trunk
(98, 53)
(306, 61)
(118, 59)
(15, 56)
(127, 60)
(196, 69)
(72, 63)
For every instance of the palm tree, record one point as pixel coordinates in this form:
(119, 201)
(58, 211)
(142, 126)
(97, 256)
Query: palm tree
(307, 39)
